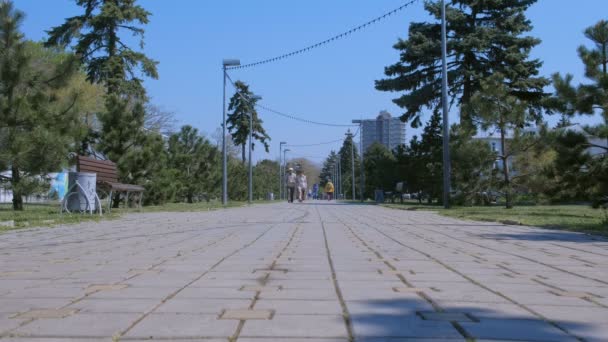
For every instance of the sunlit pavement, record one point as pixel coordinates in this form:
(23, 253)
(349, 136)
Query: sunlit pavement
(301, 272)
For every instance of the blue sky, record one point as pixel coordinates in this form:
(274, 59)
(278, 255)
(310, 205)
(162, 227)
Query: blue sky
(333, 84)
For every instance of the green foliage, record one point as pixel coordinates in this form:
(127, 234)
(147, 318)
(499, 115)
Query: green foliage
(39, 108)
(348, 149)
(379, 168)
(238, 119)
(473, 172)
(196, 162)
(327, 169)
(484, 37)
(579, 174)
(99, 45)
(265, 179)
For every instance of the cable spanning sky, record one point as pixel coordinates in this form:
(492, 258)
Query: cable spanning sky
(333, 83)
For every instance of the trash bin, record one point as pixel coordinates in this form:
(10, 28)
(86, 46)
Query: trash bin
(379, 196)
(84, 200)
(270, 196)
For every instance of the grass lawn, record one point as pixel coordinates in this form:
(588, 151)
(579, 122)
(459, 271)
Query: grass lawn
(37, 215)
(579, 218)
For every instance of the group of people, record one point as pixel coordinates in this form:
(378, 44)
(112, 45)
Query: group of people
(296, 183)
(297, 186)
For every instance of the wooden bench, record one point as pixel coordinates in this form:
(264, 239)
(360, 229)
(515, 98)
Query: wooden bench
(107, 179)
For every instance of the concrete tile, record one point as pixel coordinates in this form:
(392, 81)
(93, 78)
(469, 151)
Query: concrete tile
(167, 326)
(287, 326)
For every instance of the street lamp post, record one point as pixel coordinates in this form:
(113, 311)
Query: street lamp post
(444, 100)
(225, 63)
(251, 101)
(281, 169)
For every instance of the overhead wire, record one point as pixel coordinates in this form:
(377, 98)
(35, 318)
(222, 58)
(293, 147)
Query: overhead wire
(285, 115)
(326, 41)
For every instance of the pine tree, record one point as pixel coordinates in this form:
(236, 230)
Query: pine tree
(39, 106)
(379, 168)
(110, 61)
(195, 160)
(498, 109)
(238, 120)
(484, 37)
(349, 147)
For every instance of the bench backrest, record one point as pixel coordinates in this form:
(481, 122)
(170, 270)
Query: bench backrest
(106, 170)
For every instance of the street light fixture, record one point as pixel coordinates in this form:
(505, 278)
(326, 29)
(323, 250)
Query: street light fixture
(251, 101)
(225, 64)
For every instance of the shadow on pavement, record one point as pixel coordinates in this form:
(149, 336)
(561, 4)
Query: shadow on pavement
(416, 319)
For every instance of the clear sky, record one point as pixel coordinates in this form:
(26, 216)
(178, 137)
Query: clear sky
(333, 84)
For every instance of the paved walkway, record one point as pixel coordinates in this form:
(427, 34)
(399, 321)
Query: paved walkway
(302, 272)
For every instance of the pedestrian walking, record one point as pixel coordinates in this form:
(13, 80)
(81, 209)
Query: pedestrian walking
(315, 191)
(329, 189)
(290, 181)
(301, 185)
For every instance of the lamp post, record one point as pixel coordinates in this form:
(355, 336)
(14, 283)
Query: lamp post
(251, 101)
(225, 63)
(444, 100)
(281, 169)
(349, 136)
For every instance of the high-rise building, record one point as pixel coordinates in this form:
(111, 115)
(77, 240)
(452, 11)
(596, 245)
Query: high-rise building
(384, 129)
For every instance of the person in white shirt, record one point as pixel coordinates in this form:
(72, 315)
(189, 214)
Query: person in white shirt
(301, 184)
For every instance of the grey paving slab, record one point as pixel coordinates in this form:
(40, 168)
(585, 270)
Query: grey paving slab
(306, 264)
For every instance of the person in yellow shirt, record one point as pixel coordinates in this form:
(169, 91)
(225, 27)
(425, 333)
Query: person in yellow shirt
(329, 189)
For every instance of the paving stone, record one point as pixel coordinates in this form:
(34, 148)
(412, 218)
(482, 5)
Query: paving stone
(534, 330)
(445, 316)
(453, 262)
(46, 313)
(247, 314)
(167, 326)
(410, 326)
(79, 325)
(287, 326)
(296, 307)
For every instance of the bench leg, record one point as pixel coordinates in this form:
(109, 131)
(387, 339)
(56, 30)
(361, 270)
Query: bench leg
(141, 197)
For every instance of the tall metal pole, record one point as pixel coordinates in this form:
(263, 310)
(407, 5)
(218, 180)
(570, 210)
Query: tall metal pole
(250, 148)
(281, 170)
(444, 100)
(224, 154)
(340, 174)
(361, 176)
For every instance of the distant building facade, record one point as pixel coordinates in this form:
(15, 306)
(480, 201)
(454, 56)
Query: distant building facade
(384, 129)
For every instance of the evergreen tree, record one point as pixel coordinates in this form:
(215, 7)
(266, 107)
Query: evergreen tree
(585, 99)
(379, 168)
(39, 106)
(265, 178)
(484, 37)
(97, 34)
(195, 160)
(498, 109)
(349, 147)
(238, 120)
(430, 153)
(327, 169)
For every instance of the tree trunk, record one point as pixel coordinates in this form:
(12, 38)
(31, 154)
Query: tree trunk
(505, 169)
(243, 153)
(189, 198)
(17, 196)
